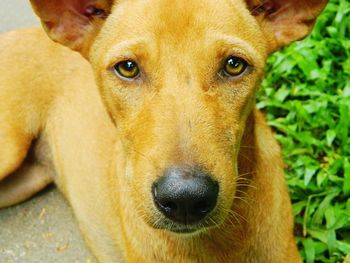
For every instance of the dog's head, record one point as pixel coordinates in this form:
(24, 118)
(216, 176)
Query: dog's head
(178, 79)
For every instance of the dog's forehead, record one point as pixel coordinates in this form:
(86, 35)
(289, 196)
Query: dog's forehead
(182, 16)
(178, 21)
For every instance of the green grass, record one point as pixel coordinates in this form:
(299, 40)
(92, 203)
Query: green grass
(306, 97)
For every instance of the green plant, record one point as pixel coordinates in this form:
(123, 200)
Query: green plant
(306, 98)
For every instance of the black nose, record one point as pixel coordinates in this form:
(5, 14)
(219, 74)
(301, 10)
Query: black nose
(185, 195)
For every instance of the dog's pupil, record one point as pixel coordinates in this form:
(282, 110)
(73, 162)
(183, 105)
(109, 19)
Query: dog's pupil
(234, 63)
(129, 65)
(91, 11)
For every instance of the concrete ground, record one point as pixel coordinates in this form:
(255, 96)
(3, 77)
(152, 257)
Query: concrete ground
(41, 230)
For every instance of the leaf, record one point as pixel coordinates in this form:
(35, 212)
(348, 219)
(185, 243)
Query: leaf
(321, 177)
(331, 241)
(309, 172)
(346, 91)
(319, 214)
(330, 217)
(297, 207)
(344, 247)
(282, 94)
(346, 184)
(309, 250)
(318, 234)
(331, 134)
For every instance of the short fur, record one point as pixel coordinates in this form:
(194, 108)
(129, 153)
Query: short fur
(104, 140)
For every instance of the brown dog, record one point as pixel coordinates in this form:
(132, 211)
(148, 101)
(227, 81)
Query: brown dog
(180, 167)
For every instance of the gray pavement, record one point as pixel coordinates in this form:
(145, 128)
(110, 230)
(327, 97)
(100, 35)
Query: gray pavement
(42, 229)
(16, 14)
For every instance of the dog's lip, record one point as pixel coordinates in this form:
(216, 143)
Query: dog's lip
(180, 228)
(183, 231)
(166, 224)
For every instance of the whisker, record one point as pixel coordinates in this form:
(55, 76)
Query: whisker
(231, 213)
(248, 146)
(247, 158)
(247, 185)
(242, 217)
(243, 200)
(242, 192)
(220, 228)
(244, 174)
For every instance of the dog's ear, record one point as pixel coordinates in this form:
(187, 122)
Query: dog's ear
(284, 21)
(73, 23)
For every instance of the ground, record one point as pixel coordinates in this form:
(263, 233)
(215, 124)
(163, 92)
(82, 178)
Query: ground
(42, 229)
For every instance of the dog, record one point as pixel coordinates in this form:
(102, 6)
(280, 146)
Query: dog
(150, 129)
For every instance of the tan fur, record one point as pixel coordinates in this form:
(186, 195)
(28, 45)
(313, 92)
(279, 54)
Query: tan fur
(104, 145)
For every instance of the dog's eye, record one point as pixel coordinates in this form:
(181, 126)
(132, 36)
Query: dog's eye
(127, 69)
(235, 66)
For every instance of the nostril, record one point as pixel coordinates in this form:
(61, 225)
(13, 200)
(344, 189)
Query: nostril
(164, 204)
(202, 207)
(169, 206)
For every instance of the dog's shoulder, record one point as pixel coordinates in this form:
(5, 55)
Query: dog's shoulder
(32, 46)
(32, 61)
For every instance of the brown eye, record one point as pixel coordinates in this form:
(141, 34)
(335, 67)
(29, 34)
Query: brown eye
(127, 69)
(235, 66)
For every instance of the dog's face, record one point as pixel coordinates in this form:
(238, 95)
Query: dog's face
(179, 92)
(178, 79)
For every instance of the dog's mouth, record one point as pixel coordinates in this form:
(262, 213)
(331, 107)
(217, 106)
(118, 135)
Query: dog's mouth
(183, 229)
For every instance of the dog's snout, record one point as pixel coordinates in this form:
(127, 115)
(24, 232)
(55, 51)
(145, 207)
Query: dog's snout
(185, 195)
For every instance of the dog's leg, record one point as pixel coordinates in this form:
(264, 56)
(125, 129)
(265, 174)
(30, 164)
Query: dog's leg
(14, 146)
(19, 179)
(24, 169)
(24, 183)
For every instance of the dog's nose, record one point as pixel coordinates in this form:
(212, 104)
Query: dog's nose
(185, 195)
